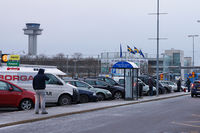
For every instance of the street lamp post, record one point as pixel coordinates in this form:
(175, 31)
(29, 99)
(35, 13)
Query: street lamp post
(157, 39)
(193, 36)
(157, 61)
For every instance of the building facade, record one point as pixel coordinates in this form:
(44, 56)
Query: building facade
(108, 59)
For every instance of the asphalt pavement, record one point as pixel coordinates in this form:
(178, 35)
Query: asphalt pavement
(21, 117)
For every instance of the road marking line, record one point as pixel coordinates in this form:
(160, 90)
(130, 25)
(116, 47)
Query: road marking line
(183, 124)
(195, 115)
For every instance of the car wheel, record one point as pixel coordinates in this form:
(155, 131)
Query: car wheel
(167, 90)
(84, 99)
(26, 104)
(100, 97)
(118, 95)
(192, 95)
(65, 100)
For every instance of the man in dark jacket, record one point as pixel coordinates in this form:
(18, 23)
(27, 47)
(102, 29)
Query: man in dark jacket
(150, 86)
(179, 85)
(39, 87)
(188, 82)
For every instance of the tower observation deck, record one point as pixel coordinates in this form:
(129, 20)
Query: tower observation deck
(32, 30)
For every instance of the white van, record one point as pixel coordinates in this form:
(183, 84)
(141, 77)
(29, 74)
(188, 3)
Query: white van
(57, 91)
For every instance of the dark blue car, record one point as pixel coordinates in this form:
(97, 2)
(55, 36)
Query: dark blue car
(195, 88)
(87, 96)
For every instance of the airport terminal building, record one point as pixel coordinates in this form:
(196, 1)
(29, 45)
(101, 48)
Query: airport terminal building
(167, 61)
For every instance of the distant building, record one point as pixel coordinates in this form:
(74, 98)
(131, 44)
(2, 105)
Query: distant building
(173, 59)
(169, 63)
(152, 64)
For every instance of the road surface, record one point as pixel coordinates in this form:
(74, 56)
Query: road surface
(176, 115)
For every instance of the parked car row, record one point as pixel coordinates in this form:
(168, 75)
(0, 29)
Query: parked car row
(164, 86)
(117, 91)
(69, 91)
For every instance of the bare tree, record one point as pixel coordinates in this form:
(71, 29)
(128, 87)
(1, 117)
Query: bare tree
(77, 56)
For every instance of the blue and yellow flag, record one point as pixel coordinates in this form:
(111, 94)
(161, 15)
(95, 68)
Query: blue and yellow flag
(136, 50)
(130, 50)
(141, 53)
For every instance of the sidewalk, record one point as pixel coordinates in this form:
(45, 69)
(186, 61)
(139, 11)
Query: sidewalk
(20, 117)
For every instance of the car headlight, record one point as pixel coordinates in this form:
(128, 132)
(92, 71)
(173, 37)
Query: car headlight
(75, 90)
(94, 94)
(108, 92)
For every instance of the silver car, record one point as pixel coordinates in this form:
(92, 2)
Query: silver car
(102, 94)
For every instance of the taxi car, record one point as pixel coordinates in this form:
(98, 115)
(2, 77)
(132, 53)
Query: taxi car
(12, 95)
(195, 88)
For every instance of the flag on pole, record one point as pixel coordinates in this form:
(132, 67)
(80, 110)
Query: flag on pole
(120, 51)
(130, 50)
(136, 50)
(141, 53)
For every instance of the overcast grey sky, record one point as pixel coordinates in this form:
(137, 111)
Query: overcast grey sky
(95, 26)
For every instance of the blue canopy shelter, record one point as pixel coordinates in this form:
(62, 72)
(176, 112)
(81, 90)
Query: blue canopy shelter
(130, 78)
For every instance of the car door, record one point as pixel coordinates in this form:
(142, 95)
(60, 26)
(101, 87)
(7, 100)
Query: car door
(102, 84)
(3, 93)
(54, 87)
(15, 94)
(9, 97)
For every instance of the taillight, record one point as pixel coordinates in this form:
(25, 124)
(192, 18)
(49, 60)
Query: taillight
(192, 86)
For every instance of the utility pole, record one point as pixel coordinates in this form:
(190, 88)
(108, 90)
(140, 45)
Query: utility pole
(157, 39)
(193, 36)
(157, 61)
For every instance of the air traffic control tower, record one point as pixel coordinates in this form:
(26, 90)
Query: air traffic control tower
(32, 30)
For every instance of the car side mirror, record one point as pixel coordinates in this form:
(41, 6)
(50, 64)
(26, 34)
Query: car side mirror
(89, 87)
(11, 89)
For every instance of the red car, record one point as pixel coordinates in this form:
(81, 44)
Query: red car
(12, 95)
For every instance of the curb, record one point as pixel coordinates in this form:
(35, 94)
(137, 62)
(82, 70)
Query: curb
(84, 111)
